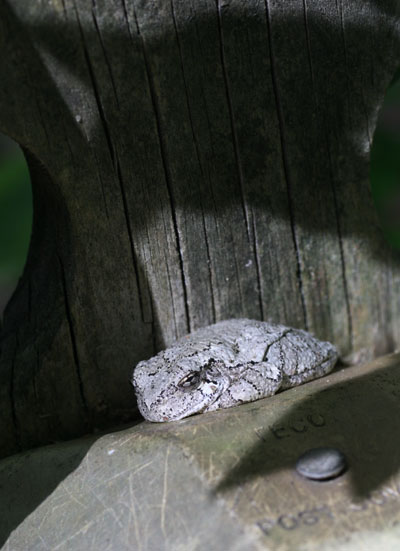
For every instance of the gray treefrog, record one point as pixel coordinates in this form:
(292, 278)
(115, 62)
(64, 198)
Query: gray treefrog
(226, 364)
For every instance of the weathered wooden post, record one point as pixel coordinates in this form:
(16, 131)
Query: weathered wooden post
(190, 162)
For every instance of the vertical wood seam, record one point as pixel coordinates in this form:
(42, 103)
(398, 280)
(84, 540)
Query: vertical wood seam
(340, 8)
(35, 371)
(114, 159)
(341, 249)
(334, 195)
(285, 163)
(163, 156)
(67, 140)
(258, 267)
(39, 111)
(105, 57)
(196, 146)
(236, 151)
(96, 93)
(74, 344)
(232, 118)
(130, 234)
(64, 8)
(14, 417)
(103, 194)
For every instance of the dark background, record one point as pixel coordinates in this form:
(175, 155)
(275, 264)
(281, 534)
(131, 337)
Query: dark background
(385, 164)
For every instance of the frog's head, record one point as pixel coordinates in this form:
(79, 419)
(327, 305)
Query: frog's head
(171, 392)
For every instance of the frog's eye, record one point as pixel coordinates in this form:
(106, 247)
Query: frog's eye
(190, 381)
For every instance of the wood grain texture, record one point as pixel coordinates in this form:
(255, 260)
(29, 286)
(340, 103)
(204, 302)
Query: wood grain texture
(191, 161)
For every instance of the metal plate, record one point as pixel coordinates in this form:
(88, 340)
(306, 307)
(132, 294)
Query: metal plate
(222, 480)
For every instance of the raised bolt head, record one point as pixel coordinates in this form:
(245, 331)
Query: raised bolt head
(321, 463)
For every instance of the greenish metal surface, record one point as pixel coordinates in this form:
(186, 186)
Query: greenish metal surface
(224, 480)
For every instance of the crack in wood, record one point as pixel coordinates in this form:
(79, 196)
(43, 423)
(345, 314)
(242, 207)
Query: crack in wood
(232, 119)
(341, 249)
(164, 161)
(258, 268)
(236, 150)
(130, 236)
(103, 194)
(285, 162)
(104, 50)
(14, 417)
(308, 42)
(334, 194)
(74, 341)
(64, 8)
(96, 92)
(346, 63)
(196, 146)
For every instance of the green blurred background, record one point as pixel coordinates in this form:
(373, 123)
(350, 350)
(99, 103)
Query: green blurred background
(15, 216)
(16, 194)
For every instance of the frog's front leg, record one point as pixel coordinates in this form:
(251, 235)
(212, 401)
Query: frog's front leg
(249, 382)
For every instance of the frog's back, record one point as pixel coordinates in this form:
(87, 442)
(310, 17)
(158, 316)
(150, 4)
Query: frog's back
(236, 340)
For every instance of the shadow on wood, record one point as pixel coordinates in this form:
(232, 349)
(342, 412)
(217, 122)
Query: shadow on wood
(211, 161)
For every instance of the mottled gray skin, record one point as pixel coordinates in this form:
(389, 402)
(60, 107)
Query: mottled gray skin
(226, 364)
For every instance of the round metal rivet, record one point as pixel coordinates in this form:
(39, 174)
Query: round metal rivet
(321, 463)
